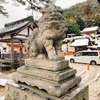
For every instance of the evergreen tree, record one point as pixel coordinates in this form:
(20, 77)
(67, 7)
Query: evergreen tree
(97, 20)
(73, 27)
(80, 22)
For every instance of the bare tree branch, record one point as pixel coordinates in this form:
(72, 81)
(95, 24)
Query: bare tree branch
(2, 9)
(32, 4)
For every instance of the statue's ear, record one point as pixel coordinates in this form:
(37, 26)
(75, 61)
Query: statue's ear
(98, 1)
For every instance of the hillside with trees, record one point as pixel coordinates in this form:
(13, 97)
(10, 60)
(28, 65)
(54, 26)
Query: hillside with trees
(79, 16)
(85, 14)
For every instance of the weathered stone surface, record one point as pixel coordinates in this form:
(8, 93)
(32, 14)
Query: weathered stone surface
(46, 40)
(28, 93)
(53, 88)
(47, 74)
(47, 64)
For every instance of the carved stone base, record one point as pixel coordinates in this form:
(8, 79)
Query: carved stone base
(55, 77)
(46, 80)
(17, 92)
(53, 88)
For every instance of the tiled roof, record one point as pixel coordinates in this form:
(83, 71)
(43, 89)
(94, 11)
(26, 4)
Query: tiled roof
(13, 26)
(80, 42)
(95, 28)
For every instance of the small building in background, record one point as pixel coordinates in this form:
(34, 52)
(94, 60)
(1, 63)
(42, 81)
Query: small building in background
(14, 34)
(19, 30)
(77, 43)
(90, 30)
(80, 44)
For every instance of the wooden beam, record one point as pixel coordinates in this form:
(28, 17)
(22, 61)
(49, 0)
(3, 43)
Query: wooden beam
(28, 30)
(12, 51)
(31, 28)
(22, 35)
(20, 54)
(6, 37)
(5, 40)
(18, 31)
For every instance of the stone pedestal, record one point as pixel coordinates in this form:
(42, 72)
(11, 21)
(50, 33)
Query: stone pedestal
(24, 92)
(46, 80)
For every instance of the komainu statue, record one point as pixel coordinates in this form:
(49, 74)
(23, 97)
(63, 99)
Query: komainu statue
(46, 40)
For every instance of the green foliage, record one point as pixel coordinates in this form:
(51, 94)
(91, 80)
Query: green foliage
(97, 20)
(73, 28)
(93, 22)
(86, 12)
(68, 13)
(73, 11)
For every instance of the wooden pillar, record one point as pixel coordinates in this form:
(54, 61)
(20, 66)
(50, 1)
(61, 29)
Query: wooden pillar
(12, 51)
(20, 54)
(28, 30)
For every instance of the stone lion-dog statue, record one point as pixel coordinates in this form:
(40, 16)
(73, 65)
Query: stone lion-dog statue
(46, 40)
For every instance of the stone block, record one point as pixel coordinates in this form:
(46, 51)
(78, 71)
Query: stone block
(47, 64)
(47, 74)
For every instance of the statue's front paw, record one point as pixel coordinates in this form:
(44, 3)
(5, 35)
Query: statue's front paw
(54, 57)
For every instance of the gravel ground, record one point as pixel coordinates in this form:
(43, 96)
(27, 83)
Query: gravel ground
(90, 77)
(5, 75)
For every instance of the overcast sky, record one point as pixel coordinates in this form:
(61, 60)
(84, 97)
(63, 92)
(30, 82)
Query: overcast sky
(16, 13)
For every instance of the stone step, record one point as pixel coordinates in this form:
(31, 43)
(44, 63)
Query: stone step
(52, 88)
(47, 64)
(47, 74)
